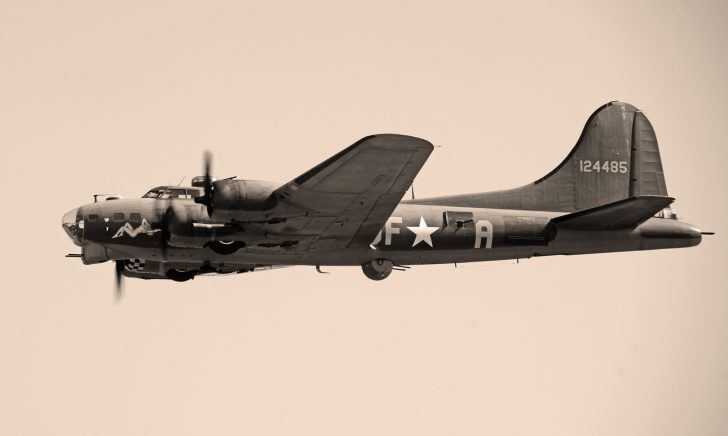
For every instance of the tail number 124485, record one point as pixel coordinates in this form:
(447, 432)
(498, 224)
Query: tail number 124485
(607, 166)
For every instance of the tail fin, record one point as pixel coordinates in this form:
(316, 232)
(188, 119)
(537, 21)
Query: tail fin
(616, 157)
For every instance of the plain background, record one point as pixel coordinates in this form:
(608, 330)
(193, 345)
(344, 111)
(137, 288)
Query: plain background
(105, 96)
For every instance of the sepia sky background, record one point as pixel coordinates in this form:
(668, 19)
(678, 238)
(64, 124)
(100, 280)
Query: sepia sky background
(118, 97)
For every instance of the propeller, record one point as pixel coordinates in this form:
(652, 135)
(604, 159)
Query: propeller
(119, 282)
(169, 220)
(208, 198)
(166, 213)
(120, 265)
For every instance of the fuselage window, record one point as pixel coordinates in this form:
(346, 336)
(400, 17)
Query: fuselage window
(118, 217)
(135, 217)
(93, 217)
(667, 213)
(457, 219)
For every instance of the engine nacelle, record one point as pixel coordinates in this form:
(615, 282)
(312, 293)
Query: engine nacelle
(252, 195)
(186, 229)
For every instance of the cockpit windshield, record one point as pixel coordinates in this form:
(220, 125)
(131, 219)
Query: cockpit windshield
(172, 192)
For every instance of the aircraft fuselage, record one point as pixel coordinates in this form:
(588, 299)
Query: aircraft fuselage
(414, 234)
(609, 194)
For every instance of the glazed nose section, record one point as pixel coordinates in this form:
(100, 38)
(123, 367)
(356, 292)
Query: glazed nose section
(72, 223)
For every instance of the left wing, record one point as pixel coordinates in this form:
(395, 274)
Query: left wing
(348, 197)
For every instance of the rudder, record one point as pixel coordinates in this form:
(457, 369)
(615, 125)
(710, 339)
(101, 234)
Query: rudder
(647, 176)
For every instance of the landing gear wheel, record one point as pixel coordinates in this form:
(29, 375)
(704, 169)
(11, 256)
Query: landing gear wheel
(225, 247)
(180, 275)
(377, 269)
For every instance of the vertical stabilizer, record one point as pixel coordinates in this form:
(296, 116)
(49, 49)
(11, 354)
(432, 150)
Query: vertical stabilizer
(616, 157)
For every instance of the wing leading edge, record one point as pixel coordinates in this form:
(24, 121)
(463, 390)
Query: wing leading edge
(349, 196)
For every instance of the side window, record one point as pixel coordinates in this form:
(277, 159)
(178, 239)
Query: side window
(118, 217)
(180, 193)
(93, 217)
(135, 217)
(457, 219)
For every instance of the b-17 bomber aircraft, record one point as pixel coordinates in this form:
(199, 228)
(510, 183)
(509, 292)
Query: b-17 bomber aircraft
(608, 195)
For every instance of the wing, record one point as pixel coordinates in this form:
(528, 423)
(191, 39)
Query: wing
(348, 197)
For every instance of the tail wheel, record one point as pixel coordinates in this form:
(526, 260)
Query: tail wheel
(377, 269)
(225, 247)
(180, 275)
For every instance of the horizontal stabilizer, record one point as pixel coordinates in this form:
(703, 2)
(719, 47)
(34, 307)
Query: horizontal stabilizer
(624, 213)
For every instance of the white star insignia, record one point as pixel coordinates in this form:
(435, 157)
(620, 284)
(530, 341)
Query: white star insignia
(423, 233)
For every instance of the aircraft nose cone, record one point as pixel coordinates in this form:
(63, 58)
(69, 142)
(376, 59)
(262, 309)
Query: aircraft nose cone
(72, 223)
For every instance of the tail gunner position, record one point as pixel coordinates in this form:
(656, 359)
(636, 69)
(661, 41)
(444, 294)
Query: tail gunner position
(608, 195)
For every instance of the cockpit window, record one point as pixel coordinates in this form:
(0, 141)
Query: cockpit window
(667, 213)
(159, 193)
(173, 192)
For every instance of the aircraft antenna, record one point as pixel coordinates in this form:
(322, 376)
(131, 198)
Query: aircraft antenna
(413, 191)
(183, 179)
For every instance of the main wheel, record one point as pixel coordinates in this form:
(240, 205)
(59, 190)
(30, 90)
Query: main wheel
(377, 269)
(180, 275)
(225, 247)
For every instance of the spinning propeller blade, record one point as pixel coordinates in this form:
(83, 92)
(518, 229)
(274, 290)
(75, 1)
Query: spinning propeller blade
(208, 198)
(164, 210)
(119, 283)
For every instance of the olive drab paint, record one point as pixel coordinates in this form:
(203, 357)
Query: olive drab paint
(608, 194)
